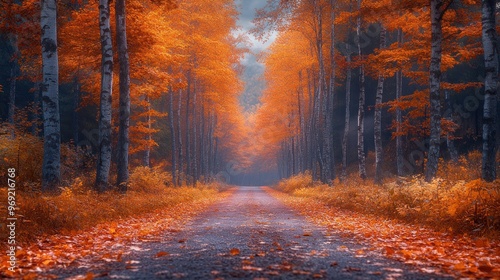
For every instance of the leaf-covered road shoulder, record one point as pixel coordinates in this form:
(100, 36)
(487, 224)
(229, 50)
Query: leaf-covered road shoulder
(108, 242)
(459, 255)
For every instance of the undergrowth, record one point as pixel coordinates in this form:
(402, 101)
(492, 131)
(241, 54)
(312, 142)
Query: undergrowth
(457, 201)
(77, 207)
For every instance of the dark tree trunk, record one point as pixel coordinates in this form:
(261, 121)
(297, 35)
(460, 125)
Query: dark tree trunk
(435, 88)
(172, 134)
(378, 118)
(399, 114)
(347, 119)
(179, 135)
(124, 83)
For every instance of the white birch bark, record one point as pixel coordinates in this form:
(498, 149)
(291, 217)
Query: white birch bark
(361, 104)
(435, 87)
(490, 46)
(50, 97)
(105, 111)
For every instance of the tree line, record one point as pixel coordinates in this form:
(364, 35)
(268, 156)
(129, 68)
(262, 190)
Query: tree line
(154, 70)
(409, 58)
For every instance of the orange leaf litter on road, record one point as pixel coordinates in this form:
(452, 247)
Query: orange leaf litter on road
(459, 255)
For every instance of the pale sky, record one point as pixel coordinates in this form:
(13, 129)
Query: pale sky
(247, 13)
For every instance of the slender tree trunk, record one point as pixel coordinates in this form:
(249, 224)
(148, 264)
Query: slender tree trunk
(75, 119)
(148, 138)
(12, 97)
(347, 120)
(310, 131)
(179, 134)
(435, 87)
(302, 134)
(210, 137)
(172, 133)
(35, 116)
(188, 131)
(14, 73)
(399, 115)
(361, 107)
(105, 108)
(490, 46)
(202, 141)
(195, 133)
(449, 141)
(378, 118)
(124, 112)
(51, 173)
(324, 121)
(331, 95)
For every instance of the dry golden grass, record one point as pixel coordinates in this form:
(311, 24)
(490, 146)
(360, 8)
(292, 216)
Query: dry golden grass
(456, 202)
(77, 207)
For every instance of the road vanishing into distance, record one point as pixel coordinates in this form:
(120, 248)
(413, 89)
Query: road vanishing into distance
(250, 235)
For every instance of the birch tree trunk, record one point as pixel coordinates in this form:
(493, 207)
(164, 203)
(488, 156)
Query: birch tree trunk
(435, 87)
(347, 113)
(124, 83)
(490, 90)
(105, 111)
(51, 173)
(361, 105)
(378, 117)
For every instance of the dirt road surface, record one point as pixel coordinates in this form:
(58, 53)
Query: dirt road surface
(249, 235)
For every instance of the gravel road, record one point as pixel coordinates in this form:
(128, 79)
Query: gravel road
(250, 235)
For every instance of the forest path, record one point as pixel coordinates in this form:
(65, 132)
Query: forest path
(250, 235)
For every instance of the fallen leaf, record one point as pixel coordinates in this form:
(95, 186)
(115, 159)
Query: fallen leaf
(89, 276)
(234, 251)
(161, 254)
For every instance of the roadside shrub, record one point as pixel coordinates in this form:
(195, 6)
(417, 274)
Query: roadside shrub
(459, 202)
(299, 181)
(149, 180)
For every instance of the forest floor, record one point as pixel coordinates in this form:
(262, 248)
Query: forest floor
(249, 234)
